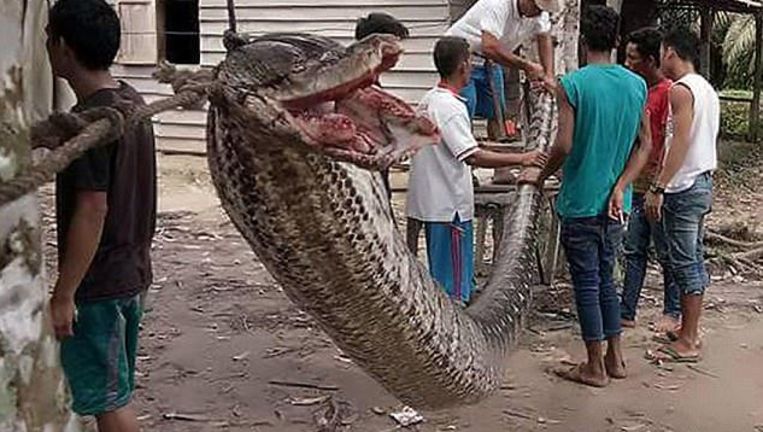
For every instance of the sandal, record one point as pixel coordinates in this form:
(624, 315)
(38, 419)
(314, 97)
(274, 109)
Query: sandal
(670, 337)
(668, 354)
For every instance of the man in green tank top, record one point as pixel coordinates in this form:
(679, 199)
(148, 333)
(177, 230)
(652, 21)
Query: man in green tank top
(600, 115)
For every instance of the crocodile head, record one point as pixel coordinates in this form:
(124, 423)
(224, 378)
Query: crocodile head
(311, 91)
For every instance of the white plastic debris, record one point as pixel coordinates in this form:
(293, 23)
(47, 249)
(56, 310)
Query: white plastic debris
(407, 417)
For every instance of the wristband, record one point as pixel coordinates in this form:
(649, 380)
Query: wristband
(656, 189)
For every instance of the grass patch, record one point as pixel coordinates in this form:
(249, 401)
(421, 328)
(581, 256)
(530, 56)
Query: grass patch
(739, 163)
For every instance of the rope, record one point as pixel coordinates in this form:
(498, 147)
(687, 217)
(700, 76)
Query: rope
(91, 136)
(231, 6)
(71, 135)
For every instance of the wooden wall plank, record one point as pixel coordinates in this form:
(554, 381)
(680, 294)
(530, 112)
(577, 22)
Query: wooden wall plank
(413, 76)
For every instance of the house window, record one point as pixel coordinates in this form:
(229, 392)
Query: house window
(139, 38)
(181, 31)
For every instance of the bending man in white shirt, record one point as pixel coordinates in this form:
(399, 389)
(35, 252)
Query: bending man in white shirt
(494, 30)
(440, 190)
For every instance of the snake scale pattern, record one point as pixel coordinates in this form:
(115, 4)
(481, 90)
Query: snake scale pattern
(321, 225)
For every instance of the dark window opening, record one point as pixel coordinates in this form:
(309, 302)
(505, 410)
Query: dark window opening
(181, 31)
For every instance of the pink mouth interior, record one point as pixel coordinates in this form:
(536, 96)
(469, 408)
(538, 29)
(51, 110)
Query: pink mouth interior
(357, 122)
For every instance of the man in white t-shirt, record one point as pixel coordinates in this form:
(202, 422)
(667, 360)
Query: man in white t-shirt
(494, 30)
(682, 194)
(440, 189)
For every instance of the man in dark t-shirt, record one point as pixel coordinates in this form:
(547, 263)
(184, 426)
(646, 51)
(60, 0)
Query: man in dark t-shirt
(106, 213)
(126, 172)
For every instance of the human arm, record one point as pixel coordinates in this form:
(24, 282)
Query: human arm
(88, 176)
(636, 163)
(457, 136)
(682, 108)
(546, 54)
(491, 159)
(563, 144)
(495, 51)
(82, 241)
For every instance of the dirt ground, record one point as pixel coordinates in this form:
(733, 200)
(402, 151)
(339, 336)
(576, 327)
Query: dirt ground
(219, 335)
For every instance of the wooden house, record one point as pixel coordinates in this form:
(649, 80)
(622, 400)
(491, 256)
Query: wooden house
(188, 33)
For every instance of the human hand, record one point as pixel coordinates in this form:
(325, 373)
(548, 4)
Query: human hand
(62, 312)
(530, 176)
(653, 206)
(616, 205)
(535, 158)
(535, 71)
(547, 83)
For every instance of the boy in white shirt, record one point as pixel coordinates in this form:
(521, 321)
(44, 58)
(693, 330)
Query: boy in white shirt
(440, 190)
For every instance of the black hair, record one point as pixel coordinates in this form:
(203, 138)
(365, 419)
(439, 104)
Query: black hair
(90, 28)
(684, 42)
(600, 27)
(380, 23)
(647, 42)
(449, 53)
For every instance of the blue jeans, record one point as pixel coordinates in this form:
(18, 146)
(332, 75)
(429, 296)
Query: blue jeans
(683, 216)
(641, 232)
(590, 245)
(479, 99)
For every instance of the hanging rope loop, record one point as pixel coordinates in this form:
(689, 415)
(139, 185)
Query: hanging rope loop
(70, 135)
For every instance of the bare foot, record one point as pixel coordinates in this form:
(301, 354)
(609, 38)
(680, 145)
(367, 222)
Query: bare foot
(667, 324)
(615, 367)
(583, 374)
(628, 323)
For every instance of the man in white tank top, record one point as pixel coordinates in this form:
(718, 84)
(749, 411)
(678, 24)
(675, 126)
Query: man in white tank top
(682, 194)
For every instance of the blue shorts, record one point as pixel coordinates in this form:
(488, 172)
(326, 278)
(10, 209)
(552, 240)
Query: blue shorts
(450, 249)
(479, 99)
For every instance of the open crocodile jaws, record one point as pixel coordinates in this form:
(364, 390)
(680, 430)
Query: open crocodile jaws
(333, 102)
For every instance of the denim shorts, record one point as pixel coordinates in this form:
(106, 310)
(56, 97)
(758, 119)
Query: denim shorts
(683, 216)
(479, 98)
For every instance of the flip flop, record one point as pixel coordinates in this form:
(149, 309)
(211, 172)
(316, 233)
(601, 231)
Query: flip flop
(576, 375)
(670, 337)
(670, 355)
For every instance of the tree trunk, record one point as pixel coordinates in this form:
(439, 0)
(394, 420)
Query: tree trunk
(32, 390)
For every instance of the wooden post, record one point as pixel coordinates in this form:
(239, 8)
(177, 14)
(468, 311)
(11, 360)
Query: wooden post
(706, 28)
(754, 131)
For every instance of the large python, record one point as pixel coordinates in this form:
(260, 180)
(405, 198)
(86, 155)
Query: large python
(295, 133)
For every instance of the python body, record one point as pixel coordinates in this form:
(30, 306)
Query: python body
(295, 130)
